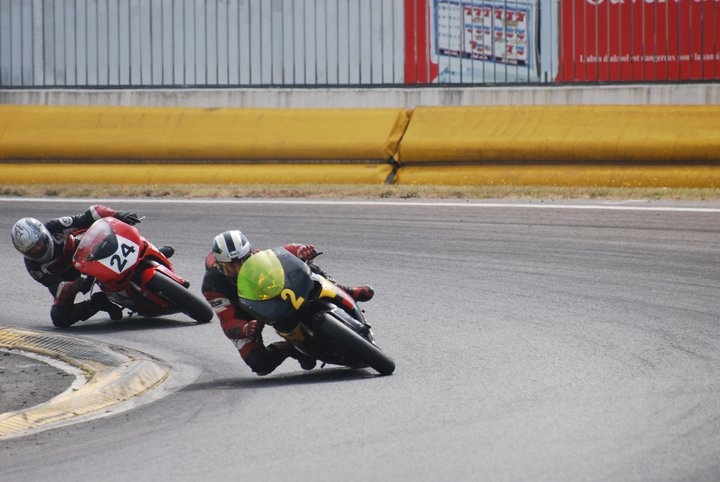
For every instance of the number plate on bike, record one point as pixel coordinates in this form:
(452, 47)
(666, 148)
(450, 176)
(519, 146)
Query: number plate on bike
(124, 258)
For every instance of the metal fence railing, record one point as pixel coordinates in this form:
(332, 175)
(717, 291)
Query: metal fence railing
(240, 43)
(200, 42)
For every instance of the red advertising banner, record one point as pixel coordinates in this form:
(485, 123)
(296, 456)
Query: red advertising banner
(639, 40)
(418, 66)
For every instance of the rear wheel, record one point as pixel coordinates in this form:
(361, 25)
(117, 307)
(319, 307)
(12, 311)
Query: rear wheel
(365, 351)
(193, 306)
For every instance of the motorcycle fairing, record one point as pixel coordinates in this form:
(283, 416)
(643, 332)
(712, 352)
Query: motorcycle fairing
(327, 289)
(153, 266)
(337, 296)
(125, 266)
(261, 277)
(274, 284)
(106, 250)
(278, 288)
(93, 244)
(295, 335)
(140, 299)
(124, 257)
(303, 307)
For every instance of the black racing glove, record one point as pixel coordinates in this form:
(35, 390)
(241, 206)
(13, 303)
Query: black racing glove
(127, 217)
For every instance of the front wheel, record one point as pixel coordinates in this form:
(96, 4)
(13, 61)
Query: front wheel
(193, 306)
(356, 344)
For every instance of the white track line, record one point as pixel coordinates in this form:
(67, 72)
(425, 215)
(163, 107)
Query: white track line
(610, 206)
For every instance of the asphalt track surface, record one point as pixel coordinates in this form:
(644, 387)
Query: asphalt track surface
(532, 342)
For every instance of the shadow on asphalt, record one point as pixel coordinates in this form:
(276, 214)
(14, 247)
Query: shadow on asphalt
(318, 375)
(135, 323)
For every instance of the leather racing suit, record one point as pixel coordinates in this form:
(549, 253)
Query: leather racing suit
(221, 292)
(62, 280)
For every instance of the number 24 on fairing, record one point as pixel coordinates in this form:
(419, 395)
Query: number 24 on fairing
(125, 257)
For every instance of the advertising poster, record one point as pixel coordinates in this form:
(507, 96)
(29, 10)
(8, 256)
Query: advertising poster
(478, 41)
(639, 40)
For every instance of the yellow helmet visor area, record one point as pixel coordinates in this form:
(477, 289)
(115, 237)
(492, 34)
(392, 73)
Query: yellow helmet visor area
(261, 277)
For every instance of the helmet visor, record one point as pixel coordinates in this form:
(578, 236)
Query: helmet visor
(230, 269)
(37, 250)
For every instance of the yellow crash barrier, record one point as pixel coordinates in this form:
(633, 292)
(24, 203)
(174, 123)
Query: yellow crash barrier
(566, 145)
(158, 133)
(563, 134)
(169, 173)
(697, 176)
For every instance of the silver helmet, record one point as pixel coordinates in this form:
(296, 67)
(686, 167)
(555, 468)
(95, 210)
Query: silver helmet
(230, 246)
(230, 249)
(32, 239)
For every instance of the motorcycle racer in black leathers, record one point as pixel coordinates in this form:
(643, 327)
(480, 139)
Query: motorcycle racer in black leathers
(48, 249)
(230, 250)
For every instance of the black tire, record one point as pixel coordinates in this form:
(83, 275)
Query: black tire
(195, 307)
(365, 351)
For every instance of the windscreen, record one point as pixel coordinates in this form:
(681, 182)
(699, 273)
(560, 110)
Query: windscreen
(261, 277)
(98, 242)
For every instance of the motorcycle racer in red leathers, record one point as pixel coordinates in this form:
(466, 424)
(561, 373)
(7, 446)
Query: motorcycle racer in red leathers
(48, 250)
(230, 250)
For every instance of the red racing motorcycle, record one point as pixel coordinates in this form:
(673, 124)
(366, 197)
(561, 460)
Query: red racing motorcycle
(134, 273)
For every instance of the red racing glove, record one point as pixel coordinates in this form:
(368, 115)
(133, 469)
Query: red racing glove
(252, 329)
(307, 252)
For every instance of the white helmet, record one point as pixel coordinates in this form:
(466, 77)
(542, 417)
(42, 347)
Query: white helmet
(230, 246)
(33, 240)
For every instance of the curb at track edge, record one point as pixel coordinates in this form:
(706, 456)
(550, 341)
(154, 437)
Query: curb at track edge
(113, 375)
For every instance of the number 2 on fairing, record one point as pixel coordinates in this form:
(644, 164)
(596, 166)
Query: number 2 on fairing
(295, 300)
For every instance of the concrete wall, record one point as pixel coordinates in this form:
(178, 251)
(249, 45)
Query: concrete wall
(631, 94)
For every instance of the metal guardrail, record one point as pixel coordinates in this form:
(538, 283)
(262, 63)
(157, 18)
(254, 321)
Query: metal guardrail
(244, 43)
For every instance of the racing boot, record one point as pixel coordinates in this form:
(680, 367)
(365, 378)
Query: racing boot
(167, 250)
(306, 362)
(101, 302)
(64, 316)
(359, 293)
(288, 350)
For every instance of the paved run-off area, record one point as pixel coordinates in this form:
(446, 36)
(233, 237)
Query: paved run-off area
(26, 381)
